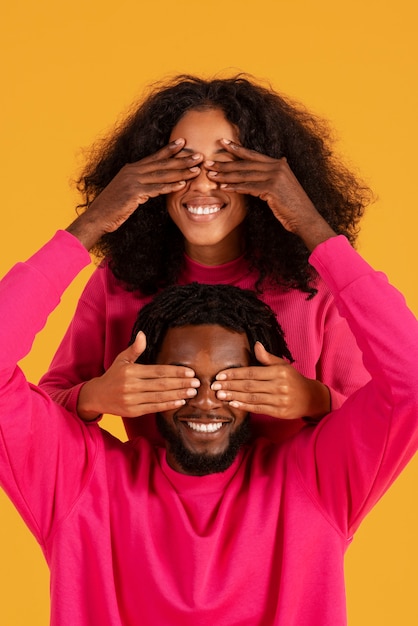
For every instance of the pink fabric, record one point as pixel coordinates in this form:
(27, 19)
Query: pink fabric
(130, 542)
(319, 339)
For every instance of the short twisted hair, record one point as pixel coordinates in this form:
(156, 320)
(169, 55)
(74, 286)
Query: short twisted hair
(196, 304)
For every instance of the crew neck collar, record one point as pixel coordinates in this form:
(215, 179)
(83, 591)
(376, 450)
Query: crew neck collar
(211, 483)
(226, 273)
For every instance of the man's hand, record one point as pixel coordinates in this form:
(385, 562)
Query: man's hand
(273, 181)
(132, 186)
(129, 389)
(277, 389)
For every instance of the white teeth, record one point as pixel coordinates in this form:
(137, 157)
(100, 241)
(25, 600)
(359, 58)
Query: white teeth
(205, 428)
(203, 210)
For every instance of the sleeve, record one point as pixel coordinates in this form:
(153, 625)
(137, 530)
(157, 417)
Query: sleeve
(80, 355)
(352, 457)
(31, 444)
(340, 365)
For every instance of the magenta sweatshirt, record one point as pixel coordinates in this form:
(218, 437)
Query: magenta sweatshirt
(131, 542)
(318, 337)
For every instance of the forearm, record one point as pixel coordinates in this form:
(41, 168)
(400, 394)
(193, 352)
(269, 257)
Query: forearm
(31, 290)
(384, 328)
(81, 353)
(88, 229)
(314, 230)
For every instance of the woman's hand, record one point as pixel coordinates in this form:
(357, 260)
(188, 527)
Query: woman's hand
(129, 389)
(132, 186)
(277, 389)
(273, 181)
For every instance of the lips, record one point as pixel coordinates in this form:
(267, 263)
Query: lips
(203, 205)
(207, 426)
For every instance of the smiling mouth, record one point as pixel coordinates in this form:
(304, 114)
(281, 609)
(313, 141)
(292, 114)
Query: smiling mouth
(204, 209)
(201, 427)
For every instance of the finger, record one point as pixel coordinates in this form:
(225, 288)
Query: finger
(135, 386)
(158, 396)
(245, 172)
(167, 151)
(165, 376)
(266, 358)
(264, 409)
(250, 373)
(241, 396)
(161, 166)
(169, 154)
(161, 172)
(153, 407)
(152, 402)
(266, 168)
(135, 350)
(245, 153)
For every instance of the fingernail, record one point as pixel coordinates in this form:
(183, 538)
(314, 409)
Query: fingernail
(221, 395)
(212, 173)
(209, 163)
(216, 386)
(227, 141)
(195, 383)
(235, 404)
(220, 376)
(179, 402)
(191, 392)
(194, 169)
(196, 156)
(178, 141)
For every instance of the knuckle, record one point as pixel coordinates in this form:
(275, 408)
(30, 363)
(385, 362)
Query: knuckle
(249, 386)
(159, 397)
(125, 388)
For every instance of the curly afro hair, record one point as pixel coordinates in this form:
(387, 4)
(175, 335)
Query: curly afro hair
(146, 253)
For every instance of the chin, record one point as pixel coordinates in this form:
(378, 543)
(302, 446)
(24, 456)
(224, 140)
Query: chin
(203, 463)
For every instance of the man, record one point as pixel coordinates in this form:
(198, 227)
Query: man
(209, 530)
(207, 328)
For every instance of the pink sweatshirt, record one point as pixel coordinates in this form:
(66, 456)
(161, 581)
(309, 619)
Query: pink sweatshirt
(130, 542)
(318, 337)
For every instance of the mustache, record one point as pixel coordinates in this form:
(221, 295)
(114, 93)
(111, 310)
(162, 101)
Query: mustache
(207, 417)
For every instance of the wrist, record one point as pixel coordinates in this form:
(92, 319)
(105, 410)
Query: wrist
(87, 230)
(321, 402)
(87, 402)
(315, 232)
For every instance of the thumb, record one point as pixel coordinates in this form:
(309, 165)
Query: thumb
(264, 357)
(135, 350)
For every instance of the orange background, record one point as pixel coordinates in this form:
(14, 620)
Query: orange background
(71, 67)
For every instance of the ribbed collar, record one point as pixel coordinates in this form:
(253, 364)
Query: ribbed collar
(227, 273)
(212, 483)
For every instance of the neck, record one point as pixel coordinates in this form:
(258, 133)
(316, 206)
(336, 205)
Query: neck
(225, 251)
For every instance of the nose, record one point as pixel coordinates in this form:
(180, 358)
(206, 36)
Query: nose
(205, 399)
(202, 182)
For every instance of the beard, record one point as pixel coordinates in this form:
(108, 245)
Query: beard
(200, 464)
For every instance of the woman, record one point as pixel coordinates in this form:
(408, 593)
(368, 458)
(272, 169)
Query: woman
(207, 163)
